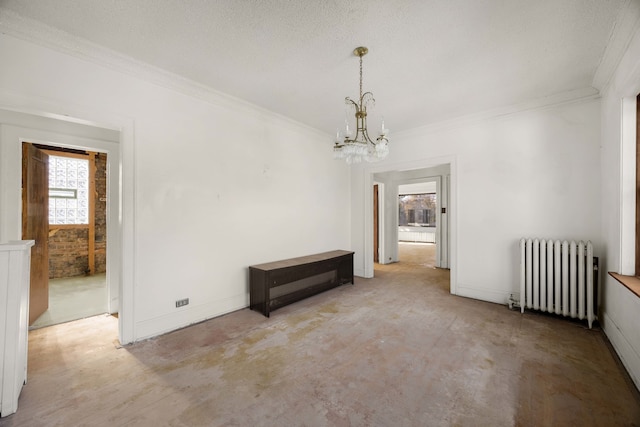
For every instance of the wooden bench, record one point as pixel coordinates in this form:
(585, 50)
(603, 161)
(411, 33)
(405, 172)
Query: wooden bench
(276, 284)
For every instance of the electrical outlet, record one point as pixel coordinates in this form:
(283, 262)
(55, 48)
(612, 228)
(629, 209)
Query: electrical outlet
(182, 302)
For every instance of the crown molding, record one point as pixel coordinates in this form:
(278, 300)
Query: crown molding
(565, 98)
(20, 27)
(625, 26)
(36, 32)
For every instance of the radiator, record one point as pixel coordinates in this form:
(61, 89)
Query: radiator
(559, 277)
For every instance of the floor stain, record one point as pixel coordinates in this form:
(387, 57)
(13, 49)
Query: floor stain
(397, 349)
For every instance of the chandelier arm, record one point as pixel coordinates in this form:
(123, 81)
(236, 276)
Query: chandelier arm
(366, 136)
(372, 99)
(355, 104)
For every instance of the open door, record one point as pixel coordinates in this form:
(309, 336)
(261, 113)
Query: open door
(35, 224)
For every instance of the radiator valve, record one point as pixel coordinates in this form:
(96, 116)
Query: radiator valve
(513, 302)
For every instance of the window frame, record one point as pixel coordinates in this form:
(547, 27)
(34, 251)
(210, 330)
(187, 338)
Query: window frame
(632, 282)
(417, 212)
(637, 230)
(90, 158)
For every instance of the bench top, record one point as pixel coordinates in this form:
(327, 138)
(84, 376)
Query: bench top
(292, 262)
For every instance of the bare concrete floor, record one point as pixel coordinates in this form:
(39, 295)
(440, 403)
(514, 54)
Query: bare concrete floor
(74, 298)
(397, 350)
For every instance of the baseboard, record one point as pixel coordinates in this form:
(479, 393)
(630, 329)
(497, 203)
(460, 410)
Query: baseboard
(483, 294)
(359, 272)
(629, 357)
(188, 316)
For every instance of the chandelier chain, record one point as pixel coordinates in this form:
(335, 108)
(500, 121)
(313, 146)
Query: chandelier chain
(360, 80)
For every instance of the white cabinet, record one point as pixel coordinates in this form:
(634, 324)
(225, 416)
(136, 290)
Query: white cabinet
(15, 260)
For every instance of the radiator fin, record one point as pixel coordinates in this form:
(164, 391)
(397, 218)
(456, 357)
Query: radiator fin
(558, 277)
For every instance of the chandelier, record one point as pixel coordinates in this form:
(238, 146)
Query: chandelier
(361, 147)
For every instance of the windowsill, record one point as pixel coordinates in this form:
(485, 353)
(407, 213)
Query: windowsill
(630, 282)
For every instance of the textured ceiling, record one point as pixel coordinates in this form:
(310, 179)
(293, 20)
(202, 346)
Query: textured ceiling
(429, 60)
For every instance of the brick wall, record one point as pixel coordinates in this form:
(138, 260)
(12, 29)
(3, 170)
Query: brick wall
(69, 247)
(101, 213)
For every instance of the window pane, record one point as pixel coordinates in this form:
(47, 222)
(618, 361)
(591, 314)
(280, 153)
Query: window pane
(68, 190)
(418, 210)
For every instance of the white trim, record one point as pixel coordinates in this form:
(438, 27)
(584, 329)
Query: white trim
(368, 223)
(33, 31)
(565, 98)
(628, 187)
(189, 315)
(483, 294)
(623, 348)
(444, 220)
(626, 89)
(126, 331)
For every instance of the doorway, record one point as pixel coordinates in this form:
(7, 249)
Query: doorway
(389, 178)
(104, 133)
(418, 223)
(75, 235)
(427, 225)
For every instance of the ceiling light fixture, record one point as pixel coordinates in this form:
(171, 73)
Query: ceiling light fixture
(361, 147)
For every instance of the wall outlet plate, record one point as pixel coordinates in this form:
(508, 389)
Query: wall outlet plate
(182, 302)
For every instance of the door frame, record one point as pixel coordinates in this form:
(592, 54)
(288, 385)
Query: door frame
(52, 139)
(381, 221)
(120, 213)
(367, 179)
(376, 224)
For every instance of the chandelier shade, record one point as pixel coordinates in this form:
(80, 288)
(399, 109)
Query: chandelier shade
(361, 146)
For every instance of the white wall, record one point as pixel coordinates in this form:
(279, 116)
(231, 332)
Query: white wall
(418, 188)
(210, 185)
(531, 173)
(621, 309)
